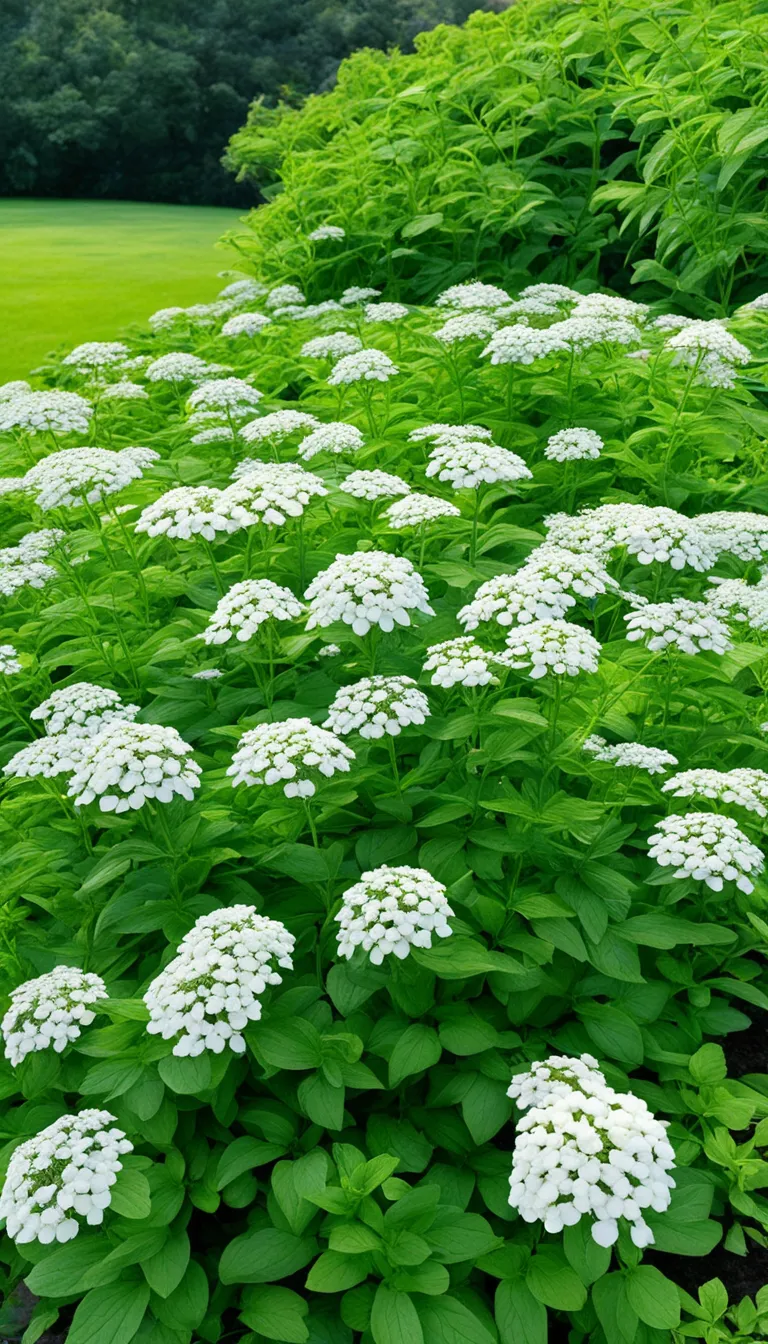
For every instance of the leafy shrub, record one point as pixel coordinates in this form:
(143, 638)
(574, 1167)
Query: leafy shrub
(616, 143)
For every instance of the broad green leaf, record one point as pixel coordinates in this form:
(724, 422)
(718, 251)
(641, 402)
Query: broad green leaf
(553, 1282)
(417, 1049)
(520, 1317)
(275, 1313)
(265, 1255)
(394, 1318)
(110, 1315)
(654, 1297)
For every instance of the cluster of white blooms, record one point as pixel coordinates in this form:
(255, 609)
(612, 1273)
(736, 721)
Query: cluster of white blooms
(385, 312)
(581, 333)
(206, 996)
(225, 394)
(246, 290)
(207, 674)
(708, 848)
(547, 292)
(188, 511)
(125, 390)
(523, 345)
(333, 346)
(285, 296)
(10, 484)
(77, 475)
(688, 626)
(245, 324)
(96, 354)
(178, 367)
(128, 763)
(373, 484)
(292, 753)
(744, 535)
(633, 755)
(671, 322)
(369, 588)
(313, 310)
(329, 651)
(36, 412)
(46, 756)
(711, 349)
(135, 363)
(573, 445)
(391, 910)
(472, 294)
(33, 546)
(35, 574)
(82, 710)
(735, 600)
(9, 661)
(165, 318)
(551, 647)
(415, 510)
(377, 706)
(277, 426)
(216, 434)
(608, 305)
(449, 433)
(246, 606)
(649, 533)
(64, 1173)
(355, 294)
(759, 304)
(335, 437)
(17, 387)
(467, 463)
(585, 1150)
(748, 788)
(459, 662)
(333, 231)
(467, 327)
(272, 492)
(50, 1011)
(544, 588)
(367, 365)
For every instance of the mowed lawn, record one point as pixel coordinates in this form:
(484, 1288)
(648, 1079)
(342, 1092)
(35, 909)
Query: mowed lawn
(73, 271)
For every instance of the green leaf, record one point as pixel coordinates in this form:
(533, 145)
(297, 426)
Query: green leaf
(583, 1254)
(553, 1282)
(418, 1048)
(445, 1320)
(110, 1315)
(520, 1317)
(296, 1045)
(654, 1297)
(130, 1194)
(265, 1255)
(334, 1272)
(165, 1270)
(186, 1076)
(353, 1239)
(63, 1270)
(683, 1238)
(276, 1313)
(485, 1108)
(614, 1309)
(458, 958)
(394, 1318)
(667, 931)
(420, 224)
(323, 1103)
(186, 1306)
(708, 1067)
(244, 1154)
(614, 1033)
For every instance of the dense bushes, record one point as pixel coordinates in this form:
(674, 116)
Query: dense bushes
(612, 142)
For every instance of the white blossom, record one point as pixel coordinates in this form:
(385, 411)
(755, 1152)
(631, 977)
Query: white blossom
(33, 546)
(245, 324)
(459, 662)
(207, 674)
(466, 464)
(581, 333)
(125, 390)
(335, 437)
(46, 756)
(355, 294)
(65, 1173)
(82, 710)
(632, 755)
(312, 310)
(610, 306)
(9, 661)
(36, 412)
(367, 589)
(363, 366)
(329, 651)
(165, 318)
(373, 485)
(285, 296)
(555, 295)
(551, 648)
(277, 426)
(272, 492)
(36, 574)
(687, 626)
(557, 1076)
(216, 434)
(50, 1012)
(707, 847)
(573, 445)
(376, 707)
(391, 910)
(649, 533)
(449, 433)
(523, 345)
(472, 294)
(331, 231)
(385, 312)
(415, 510)
(245, 290)
(745, 787)
(744, 535)
(333, 346)
(128, 763)
(475, 326)
(294, 753)
(758, 304)
(96, 354)
(735, 600)
(178, 367)
(17, 387)
(546, 587)
(212, 989)
(225, 394)
(672, 322)
(711, 349)
(76, 476)
(9, 485)
(188, 511)
(247, 606)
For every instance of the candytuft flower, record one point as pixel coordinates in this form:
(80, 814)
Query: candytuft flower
(363, 366)
(77, 476)
(50, 1012)
(245, 324)
(391, 910)
(335, 437)
(294, 753)
(466, 464)
(271, 492)
(369, 588)
(376, 707)
(96, 354)
(46, 756)
(246, 607)
(178, 367)
(472, 294)
(573, 445)
(548, 648)
(278, 425)
(36, 412)
(128, 763)
(373, 485)
(189, 511)
(747, 788)
(546, 587)
(633, 755)
(9, 661)
(708, 848)
(330, 231)
(459, 662)
(415, 510)
(82, 710)
(687, 626)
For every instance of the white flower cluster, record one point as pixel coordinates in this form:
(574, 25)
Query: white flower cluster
(33, 546)
(64, 1173)
(206, 996)
(312, 310)
(415, 510)
(369, 588)
(632, 755)
(711, 349)
(553, 294)
(385, 312)
(467, 327)
(245, 290)
(188, 511)
(585, 1150)
(17, 387)
(376, 707)
(556, 648)
(292, 753)
(459, 662)
(96, 354)
(467, 463)
(649, 533)
(523, 345)
(50, 1011)
(373, 485)
(36, 412)
(277, 426)
(216, 434)
(82, 710)
(671, 322)
(744, 535)
(449, 433)
(735, 600)
(391, 910)
(335, 437)
(544, 588)
(332, 231)
(573, 445)
(609, 305)
(178, 367)
(355, 294)
(271, 493)
(333, 346)
(225, 394)
(708, 848)
(367, 365)
(747, 788)
(34, 574)
(581, 333)
(688, 626)
(9, 661)
(85, 475)
(46, 756)
(245, 324)
(472, 294)
(128, 763)
(125, 390)
(9, 485)
(246, 606)
(165, 318)
(284, 296)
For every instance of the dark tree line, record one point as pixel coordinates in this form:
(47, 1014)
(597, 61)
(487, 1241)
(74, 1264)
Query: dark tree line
(137, 98)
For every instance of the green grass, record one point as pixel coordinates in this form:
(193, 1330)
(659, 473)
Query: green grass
(83, 270)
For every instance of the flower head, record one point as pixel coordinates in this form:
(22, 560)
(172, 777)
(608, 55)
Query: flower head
(652, 534)
(449, 433)
(96, 354)
(747, 788)
(82, 710)
(125, 390)
(246, 607)
(467, 327)
(459, 662)
(9, 661)
(277, 426)
(188, 511)
(385, 312)
(373, 485)
(377, 706)
(363, 366)
(391, 910)
(357, 294)
(687, 626)
(547, 648)
(712, 349)
(744, 535)
(77, 476)
(246, 290)
(735, 600)
(523, 345)
(225, 394)
(128, 763)
(632, 755)
(36, 412)
(573, 445)
(294, 753)
(284, 296)
(415, 510)
(178, 367)
(245, 324)
(46, 756)
(330, 231)
(50, 1012)
(466, 464)
(17, 387)
(557, 1076)
(335, 437)
(369, 588)
(708, 848)
(272, 492)
(333, 346)
(472, 294)
(546, 587)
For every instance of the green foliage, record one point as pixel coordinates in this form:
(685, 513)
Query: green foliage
(615, 143)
